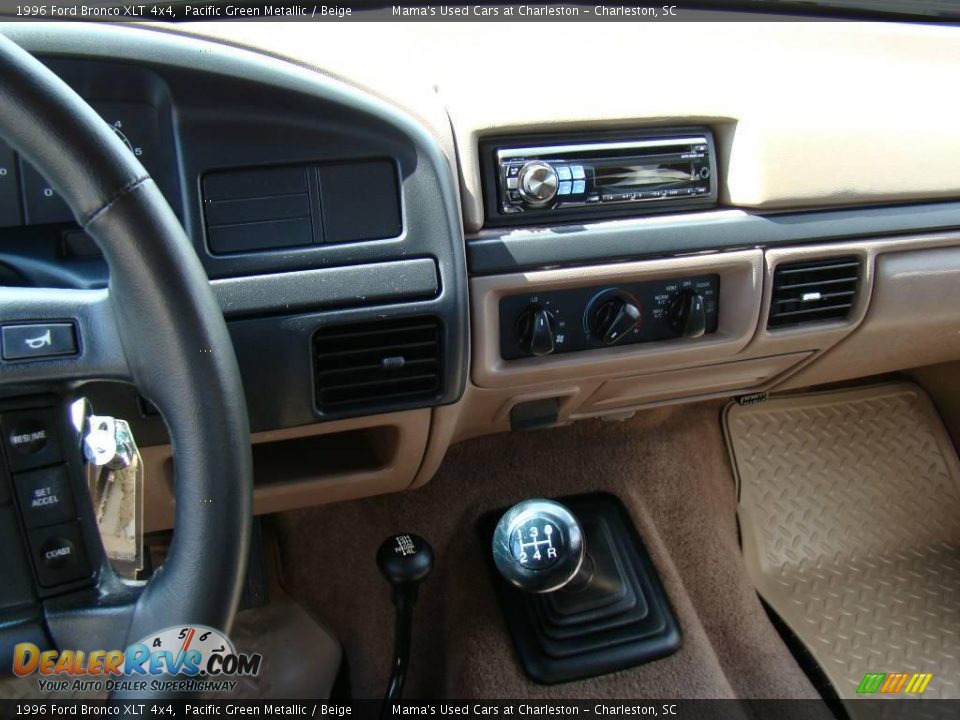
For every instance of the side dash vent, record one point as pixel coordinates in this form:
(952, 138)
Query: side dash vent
(370, 365)
(813, 291)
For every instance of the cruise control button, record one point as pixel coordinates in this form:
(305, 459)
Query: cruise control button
(31, 439)
(41, 340)
(58, 554)
(45, 496)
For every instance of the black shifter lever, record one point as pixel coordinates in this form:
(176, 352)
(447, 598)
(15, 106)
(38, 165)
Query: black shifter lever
(405, 561)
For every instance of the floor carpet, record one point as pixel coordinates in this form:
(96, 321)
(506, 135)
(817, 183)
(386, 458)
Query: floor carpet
(670, 468)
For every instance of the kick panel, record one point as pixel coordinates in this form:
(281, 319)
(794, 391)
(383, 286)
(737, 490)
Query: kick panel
(571, 320)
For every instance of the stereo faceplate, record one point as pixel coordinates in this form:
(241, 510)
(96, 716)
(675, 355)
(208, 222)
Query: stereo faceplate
(566, 177)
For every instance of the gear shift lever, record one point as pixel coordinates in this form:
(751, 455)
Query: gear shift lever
(538, 546)
(405, 560)
(609, 611)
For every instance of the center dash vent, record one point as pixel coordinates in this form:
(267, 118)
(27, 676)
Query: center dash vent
(813, 291)
(375, 364)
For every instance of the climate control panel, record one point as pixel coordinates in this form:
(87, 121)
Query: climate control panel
(589, 318)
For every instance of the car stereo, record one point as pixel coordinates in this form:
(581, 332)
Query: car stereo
(624, 174)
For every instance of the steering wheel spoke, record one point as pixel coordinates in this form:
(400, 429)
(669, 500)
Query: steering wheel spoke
(58, 336)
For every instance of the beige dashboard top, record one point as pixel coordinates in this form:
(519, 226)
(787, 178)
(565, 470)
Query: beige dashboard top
(808, 114)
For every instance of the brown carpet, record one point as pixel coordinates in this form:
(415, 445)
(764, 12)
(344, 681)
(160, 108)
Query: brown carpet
(670, 468)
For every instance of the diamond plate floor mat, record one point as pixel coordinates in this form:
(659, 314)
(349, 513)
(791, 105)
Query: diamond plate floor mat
(849, 507)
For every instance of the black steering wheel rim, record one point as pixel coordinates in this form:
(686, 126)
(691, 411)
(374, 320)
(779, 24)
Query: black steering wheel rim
(158, 326)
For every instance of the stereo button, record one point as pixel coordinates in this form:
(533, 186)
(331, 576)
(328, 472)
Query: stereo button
(579, 187)
(564, 188)
(577, 171)
(563, 172)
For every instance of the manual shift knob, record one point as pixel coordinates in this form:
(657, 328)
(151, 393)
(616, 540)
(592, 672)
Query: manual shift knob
(405, 560)
(538, 546)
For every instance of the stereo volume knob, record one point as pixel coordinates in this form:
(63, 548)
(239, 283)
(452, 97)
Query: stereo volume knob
(537, 329)
(537, 182)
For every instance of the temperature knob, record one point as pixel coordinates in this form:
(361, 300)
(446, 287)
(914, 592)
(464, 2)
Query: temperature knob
(537, 328)
(537, 182)
(614, 317)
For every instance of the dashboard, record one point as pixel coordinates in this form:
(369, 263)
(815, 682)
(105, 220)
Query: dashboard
(412, 254)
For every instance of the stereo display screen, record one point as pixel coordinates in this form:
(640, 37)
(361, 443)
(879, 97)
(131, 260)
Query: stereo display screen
(642, 175)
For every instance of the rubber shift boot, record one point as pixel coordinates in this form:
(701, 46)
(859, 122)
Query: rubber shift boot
(609, 590)
(621, 618)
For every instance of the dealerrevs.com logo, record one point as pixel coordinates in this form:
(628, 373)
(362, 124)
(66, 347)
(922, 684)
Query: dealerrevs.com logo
(194, 658)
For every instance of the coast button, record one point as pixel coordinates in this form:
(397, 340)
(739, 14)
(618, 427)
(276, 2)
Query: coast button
(58, 554)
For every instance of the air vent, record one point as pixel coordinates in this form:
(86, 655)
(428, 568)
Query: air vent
(813, 291)
(375, 364)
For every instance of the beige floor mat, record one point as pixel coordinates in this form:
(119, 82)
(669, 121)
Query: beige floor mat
(850, 516)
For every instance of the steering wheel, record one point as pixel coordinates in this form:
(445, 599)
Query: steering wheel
(158, 326)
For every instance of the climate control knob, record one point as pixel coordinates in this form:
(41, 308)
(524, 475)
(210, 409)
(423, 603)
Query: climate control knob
(537, 182)
(688, 314)
(614, 317)
(537, 330)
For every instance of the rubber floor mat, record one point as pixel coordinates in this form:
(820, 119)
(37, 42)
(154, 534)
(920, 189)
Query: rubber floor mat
(849, 507)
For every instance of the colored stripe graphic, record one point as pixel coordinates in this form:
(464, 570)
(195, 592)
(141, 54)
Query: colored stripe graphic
(871, 683)
(894, 683)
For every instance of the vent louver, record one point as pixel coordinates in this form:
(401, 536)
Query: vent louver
(813, 291)
(374, 364)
